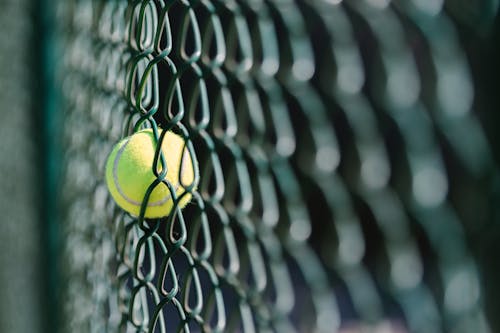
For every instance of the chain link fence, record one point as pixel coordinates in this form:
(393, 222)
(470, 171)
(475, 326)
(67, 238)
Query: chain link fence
(345, 176)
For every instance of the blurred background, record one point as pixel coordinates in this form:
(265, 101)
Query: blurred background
(348, 158)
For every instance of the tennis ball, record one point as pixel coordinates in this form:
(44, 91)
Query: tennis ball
(129, 173)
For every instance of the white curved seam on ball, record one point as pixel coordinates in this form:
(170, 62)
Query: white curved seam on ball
(124, 196)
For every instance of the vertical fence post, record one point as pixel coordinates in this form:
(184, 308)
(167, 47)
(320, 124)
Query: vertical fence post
(47, 105)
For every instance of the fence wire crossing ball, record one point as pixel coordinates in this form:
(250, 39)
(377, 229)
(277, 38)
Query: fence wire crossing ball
(129, 173)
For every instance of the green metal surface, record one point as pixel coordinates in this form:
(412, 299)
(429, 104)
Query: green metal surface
(336, 143)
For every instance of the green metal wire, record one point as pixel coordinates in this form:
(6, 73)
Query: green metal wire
(326, 135)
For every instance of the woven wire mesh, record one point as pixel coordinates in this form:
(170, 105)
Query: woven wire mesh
(333, 140)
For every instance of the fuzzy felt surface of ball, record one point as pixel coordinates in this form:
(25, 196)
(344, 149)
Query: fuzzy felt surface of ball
(129, 173)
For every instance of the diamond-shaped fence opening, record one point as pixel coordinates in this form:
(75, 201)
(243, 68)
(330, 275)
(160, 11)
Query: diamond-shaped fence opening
(344, 174)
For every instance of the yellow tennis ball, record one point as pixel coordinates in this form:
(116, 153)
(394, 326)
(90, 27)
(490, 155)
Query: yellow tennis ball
(129, 173)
